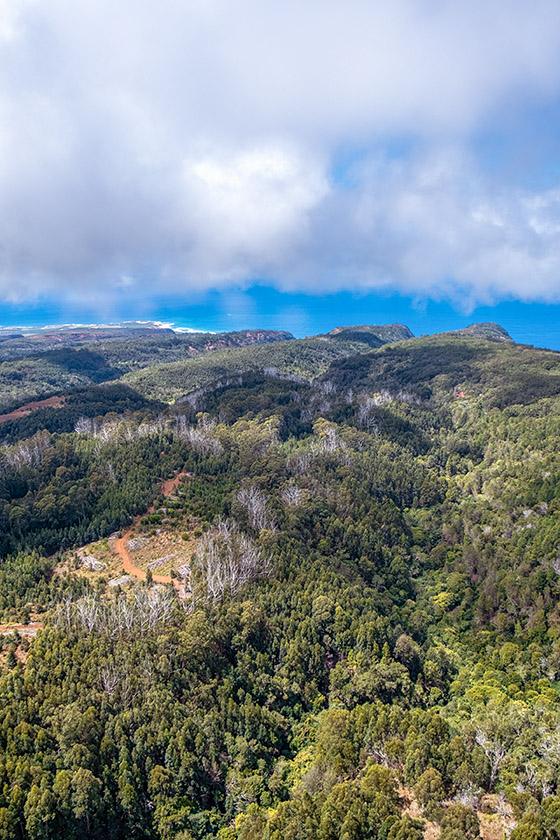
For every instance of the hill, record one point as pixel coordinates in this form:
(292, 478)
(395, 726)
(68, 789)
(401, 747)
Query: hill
(503, 373)
(300, 359)
(490, 331)
(29, 342)
(36, 367)
(303, 359)
(384, 333)
(319, 601)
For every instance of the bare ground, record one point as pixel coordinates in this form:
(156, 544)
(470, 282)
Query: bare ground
(493, 826)
(132, 553)
(49, 402)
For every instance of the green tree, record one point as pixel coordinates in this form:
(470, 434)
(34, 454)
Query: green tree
(459, 821)
(429, 788)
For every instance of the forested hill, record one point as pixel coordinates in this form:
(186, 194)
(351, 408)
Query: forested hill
(129, 344)
(375, 336)
(340, 621)
(164, 364)
(500, 372)
(37, 366)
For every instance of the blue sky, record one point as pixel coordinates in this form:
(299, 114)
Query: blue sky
(225, 164)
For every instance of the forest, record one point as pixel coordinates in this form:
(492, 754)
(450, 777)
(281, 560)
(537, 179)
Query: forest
(35, 367)
(359, 638)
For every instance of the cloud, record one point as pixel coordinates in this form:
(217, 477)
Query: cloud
(248, 213)
(434, 226)
(190, 144)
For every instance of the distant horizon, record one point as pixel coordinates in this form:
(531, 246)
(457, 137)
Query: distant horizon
(263, 307)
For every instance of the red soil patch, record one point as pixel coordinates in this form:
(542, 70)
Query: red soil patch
(171, 484)
(128, 565)
(22, 411)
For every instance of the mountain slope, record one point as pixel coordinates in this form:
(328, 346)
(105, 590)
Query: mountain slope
(384, 333)
(367, 644)
(502, 373)
(490, 331)
(304, 358)
(32, 369)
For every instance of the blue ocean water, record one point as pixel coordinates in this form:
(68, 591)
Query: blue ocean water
(301, 314)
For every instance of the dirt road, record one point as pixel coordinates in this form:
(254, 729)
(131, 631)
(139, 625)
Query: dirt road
(167, 487)
(128, 565)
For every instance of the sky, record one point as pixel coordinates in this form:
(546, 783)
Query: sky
(219, 163)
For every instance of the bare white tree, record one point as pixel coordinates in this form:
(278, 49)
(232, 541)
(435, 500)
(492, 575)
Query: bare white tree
(494, 750)
(326, 386)
(330, 441)
(123, 616)
(27, 453)
(109, 679)
(200, 439)
(307, 414)
(366, 416)
(64, 615)
(301, 462)
(120, 429)
(467, 796)
(87, 609)
(292, 495)
(84, 426)
(228, 559)
(153, 606)
(255, 501)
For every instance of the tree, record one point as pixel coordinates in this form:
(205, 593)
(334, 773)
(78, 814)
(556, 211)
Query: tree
(529, 828)
(406, 828)
(228, 560)
(86, 795)
(429, 788)
(459, 821)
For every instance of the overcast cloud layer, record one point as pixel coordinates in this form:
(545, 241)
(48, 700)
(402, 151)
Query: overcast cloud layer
(195, 144)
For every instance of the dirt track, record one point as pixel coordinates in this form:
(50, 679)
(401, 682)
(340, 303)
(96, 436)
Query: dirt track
(167, 487)
(128, 565)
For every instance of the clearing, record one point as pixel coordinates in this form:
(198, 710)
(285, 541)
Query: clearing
(22, 411)
(130, 554)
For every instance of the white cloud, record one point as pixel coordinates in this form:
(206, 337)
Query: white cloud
(432, 226)
(191, 141)
(248, 213)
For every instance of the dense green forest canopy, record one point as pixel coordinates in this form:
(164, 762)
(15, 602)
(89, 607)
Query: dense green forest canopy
(369, 648)
(164, 364)
(38, 366)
